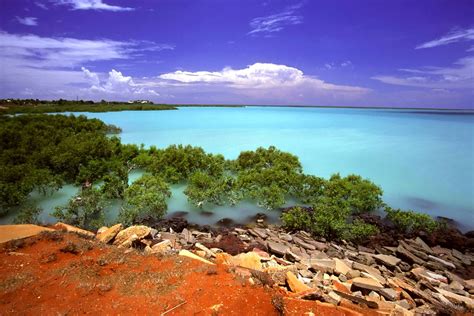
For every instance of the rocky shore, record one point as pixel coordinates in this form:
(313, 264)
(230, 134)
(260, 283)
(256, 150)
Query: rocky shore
(407, 278)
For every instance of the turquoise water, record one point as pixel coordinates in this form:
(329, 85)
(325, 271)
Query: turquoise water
(422, 160)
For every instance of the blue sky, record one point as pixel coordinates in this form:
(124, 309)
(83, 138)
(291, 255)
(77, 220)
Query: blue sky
(335, 53)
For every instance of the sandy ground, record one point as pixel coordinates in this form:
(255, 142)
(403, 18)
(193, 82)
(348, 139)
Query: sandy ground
(58, 273)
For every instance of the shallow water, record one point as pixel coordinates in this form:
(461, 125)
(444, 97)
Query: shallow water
(422, 160)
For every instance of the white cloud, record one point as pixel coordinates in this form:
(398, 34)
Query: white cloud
(28, 20)
(41, 5)
(452, 37)
(115, 84)
(458, 76)
(266, 25)
(91, 5)
(261, 78)
(45, 52)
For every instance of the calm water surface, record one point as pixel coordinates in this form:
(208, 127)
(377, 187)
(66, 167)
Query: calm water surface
(422, 160)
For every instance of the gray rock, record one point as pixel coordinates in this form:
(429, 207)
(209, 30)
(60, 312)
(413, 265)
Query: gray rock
(387, 260)
(443, 262)
(258, 232)
(188, 237)
(303, 244)
(407, 255)
(324, 265)
(277, 248)
(366, 283)
(389, 294)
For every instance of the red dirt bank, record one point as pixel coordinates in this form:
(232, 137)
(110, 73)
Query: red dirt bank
(62, 274)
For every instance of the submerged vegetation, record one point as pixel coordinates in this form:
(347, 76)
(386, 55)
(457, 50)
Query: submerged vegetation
(43, 152)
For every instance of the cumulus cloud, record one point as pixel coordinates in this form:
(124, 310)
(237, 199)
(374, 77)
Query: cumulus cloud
(266, 25)
(116, 83)
(91, 5)
(28, 20)
(452, 37)
(260, 83)
(458, 76)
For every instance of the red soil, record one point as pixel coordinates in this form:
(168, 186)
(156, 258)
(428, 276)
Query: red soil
(60, 273)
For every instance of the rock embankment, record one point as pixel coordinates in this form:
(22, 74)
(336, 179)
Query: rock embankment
(411, 278)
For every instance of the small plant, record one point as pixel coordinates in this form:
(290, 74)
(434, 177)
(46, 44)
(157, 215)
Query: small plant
(360, 230)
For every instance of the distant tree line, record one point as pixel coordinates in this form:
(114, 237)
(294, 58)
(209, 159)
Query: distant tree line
(43, 152)
(12, 106)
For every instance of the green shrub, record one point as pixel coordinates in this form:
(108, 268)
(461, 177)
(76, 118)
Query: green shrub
(359, 231)
(410, 221)
(146, 197)
(297, 218)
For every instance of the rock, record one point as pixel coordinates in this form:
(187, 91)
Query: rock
(289, 255)
(305, 273)
(110, 233)
(258, 232)
(323, 265)
(128, 243)
(161, 247)
(72, 229)
(404, 304)
(465, 260)
(366, 283)
(353, 274)
(188, 237)
(188, 254)
(457, 299)
(365, 249)
(277, 248)
(389, 294)
(374, 295)
(374, 273)
(14, 232)
(387, 260)
(357, 299)
(342, 277)
(408, 255)
(140, 231)
(101, 230)
(201, 253)
(341, 267)
(443, 262)
(321, 246)
(303, 244)
(208, 252)
(249, 260)
(434, 278)
(264, 256)
(423, 245)
(333, 298)
(294, 284)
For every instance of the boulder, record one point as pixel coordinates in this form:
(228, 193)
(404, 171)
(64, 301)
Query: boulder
(407, 255)
(366, 283)
(294, 284)
(140, 231)
(110, 233)
(277, 248)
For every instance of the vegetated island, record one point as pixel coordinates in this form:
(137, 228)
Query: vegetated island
(331, 246)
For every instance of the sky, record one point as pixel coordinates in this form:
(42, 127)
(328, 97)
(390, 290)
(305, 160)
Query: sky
(416, 53)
